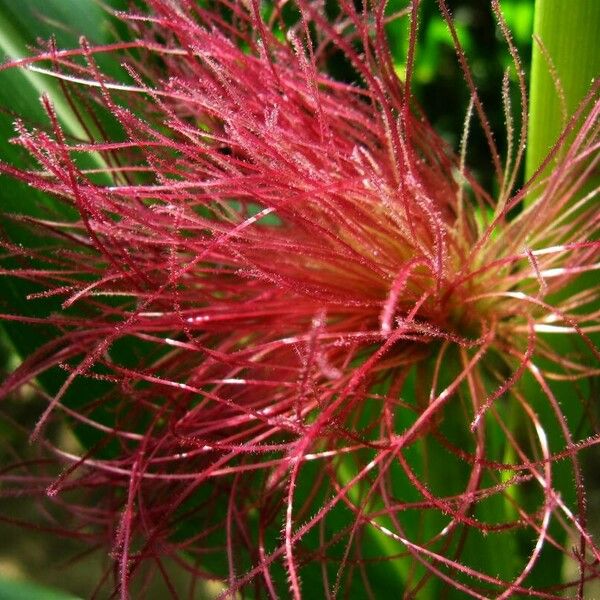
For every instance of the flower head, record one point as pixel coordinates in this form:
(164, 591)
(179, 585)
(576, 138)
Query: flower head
(298, 304)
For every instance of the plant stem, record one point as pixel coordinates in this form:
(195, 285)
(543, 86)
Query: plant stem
(567, 58)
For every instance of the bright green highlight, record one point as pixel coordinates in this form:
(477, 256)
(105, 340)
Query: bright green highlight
(22, 590)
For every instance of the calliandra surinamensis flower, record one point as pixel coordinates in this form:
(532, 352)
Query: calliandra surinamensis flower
(325, 356)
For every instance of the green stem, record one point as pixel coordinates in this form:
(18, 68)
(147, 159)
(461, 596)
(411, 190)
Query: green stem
(569, 31)
(565, 62)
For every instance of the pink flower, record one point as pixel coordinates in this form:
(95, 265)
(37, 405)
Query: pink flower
(299, 303)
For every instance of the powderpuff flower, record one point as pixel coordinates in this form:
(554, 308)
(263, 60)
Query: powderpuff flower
(325, 357)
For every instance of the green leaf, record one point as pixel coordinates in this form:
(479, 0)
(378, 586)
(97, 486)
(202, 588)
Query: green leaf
(20, 25)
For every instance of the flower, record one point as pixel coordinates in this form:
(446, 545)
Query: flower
(324, 354)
